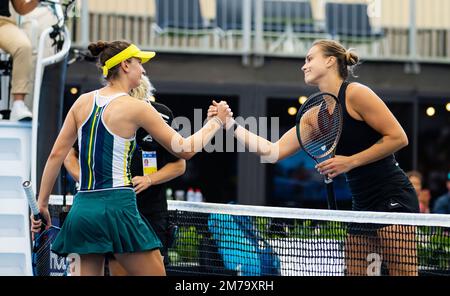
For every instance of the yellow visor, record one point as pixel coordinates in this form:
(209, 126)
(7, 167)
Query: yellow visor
(131, 51)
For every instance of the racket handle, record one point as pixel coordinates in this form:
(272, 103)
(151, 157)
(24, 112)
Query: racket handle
(32, 203)
(331, 199)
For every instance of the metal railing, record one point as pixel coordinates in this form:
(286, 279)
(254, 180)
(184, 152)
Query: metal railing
(401, 30)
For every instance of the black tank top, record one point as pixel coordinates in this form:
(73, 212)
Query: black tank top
(365, 181)
(356, 135)
(4, 8)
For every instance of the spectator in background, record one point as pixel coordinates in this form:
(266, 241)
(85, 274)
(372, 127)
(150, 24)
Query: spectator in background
(15, 42)
(442, 204)
(424, 196)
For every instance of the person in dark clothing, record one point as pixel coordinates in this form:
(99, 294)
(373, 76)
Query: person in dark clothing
(365, 154)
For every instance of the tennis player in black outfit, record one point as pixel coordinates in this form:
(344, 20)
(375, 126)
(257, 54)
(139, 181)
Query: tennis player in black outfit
(370, 136)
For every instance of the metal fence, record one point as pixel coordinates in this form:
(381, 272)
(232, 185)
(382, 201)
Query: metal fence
(401, 30)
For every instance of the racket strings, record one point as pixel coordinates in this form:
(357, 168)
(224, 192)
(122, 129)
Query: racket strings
(327, 141)
(45, 262)
(320, 122)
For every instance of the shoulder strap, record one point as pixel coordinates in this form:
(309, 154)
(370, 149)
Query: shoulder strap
(104, 101)
(342, 90)
(118, 95)
(95, 96)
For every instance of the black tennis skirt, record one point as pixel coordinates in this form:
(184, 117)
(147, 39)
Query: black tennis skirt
(383, 187)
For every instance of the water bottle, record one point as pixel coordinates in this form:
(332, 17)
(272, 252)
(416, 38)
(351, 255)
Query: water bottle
(198, 195)
(169, 194)
(190, 195)
(179, 195)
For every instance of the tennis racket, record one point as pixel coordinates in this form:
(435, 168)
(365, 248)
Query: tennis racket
(65, 208)
(319, 127)
(44, 261)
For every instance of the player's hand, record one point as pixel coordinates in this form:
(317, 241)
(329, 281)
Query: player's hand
(37, 224)
(214, 110)
(335, 166)
(141, 183)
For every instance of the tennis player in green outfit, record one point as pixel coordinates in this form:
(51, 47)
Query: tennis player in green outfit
(149, 188)
(104, 218)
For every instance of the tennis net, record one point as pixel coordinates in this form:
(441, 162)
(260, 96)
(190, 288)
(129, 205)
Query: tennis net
(221, 239)
(227, 239)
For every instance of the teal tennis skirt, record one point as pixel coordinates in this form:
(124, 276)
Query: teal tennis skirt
(102, 222)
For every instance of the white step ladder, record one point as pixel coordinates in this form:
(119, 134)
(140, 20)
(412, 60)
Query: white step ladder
(4, 83)
(15, 244)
